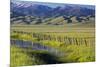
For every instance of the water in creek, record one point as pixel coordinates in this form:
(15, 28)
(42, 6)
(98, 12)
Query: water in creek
(35, 46)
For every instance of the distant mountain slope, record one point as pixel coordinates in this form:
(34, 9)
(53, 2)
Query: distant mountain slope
(20, 8)
(28, 12)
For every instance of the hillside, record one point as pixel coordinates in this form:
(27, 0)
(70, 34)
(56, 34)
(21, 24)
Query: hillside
(23, 12)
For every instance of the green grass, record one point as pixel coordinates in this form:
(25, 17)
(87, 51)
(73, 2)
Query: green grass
(72, 52)
(19, 57)
(23, 57)
(76, 53)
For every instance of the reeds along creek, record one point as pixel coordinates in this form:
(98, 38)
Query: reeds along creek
(63, 38)
(47, 47)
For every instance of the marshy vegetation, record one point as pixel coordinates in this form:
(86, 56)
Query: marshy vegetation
(35, 48)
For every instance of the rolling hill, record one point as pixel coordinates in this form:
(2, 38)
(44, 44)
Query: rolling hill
(28, 12)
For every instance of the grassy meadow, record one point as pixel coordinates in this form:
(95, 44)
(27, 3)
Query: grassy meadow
(73, 42)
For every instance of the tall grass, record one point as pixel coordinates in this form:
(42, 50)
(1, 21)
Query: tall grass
(74, 48)
(28, 57)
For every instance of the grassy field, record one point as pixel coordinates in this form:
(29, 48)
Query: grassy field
(77, 28)
(76, 41)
